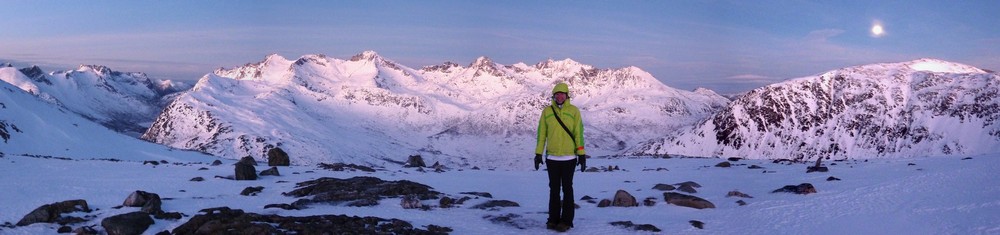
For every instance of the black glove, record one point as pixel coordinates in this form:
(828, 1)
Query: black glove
(538, 160)
(582, 160)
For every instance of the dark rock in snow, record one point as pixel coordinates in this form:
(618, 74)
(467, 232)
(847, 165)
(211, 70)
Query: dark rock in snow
(687, 200)
(127, 224)
(252, 191)
(689, 183)
(817, 169)
(741, 203)
(224, 220)
(687, 188)
(51, 213)
(410, 202)
(755, 167)
(282, 206)
(650, 201)
(150, 202)
(64, 229)
(804, 188)
(664, 187)
(481, 194)
(697, 224)
(248, 160)
(604, 203)
(415, 161)
(151, 162)
(197, 179)
(738, 194)
(724, 164)
(496, 203)
(624, 199)
(277, 157)
(216, 162)
(85, 230)
(463, 199)
(345, 167)
(734, 159)
(446, 202)
(831, 178)
(967, 158)
(513, 220)
(587, 197)
(245, 170)
(365, 190)
(272, 171)
(636, 227)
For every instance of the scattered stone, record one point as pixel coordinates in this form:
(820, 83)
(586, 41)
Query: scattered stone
(604, 203)
(64, 229)
(51, 213)
(689, 183)
(734, 159)
(967, 158)
(911, 164)
(741, 203)
(203, 169)
(129, 223)
(657, 169)
(755, 167)
(150, 202)
(345, 167)
(154, 163)
(85, 230)
(687, 189)
(766, 171)
(463, 199)
(650, 201)
(513, 220)
(724, 164)
(738, 194)
(225, 177)
(245, 170)
(168, 215)
(636, 227)
(282, 206)
(697, 224)
(216, 162)
(593, 169)
(687, 200)
(164, 232)
(804, 188)
(224, 220)
(277, 157)
(817, 167)
(480, 194)
(624, 199)
(491, 204)
(364, 189)
(831, 178)
(587, 197)
(272, 171)
(197, 179)
(415, 161)
(248, 160)
(446, 202)
(410, 202)
(252, 191)
(664, 187)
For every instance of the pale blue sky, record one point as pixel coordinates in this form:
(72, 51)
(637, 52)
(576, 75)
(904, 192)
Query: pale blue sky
(727, 46)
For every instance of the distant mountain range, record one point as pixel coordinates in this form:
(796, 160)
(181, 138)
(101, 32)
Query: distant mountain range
(370, 110)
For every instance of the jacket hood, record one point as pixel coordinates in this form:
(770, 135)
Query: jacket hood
(561, 87)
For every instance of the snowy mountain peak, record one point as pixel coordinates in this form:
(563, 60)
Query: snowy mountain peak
(36, 73)
(442, 67)
(941, 66)
(565, 65)
(2, 65)
(482, 62)
(366, 55)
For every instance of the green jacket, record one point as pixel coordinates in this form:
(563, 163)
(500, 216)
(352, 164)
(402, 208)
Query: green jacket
(559, 142)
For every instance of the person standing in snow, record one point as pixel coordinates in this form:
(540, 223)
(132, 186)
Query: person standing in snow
(560, 136)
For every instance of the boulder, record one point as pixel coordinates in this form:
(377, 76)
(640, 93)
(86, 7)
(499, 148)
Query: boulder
(636, 227)
(480, 194)
(198, 179)
(216, 162)
(252, 191)
(624, 199)
(272, 171)
(345, 167)
(724, 164)
(687, 189)
(689, 183)
(697, 224)
(127, 224)
(51, 213)
(650, 201)
(664, 187)
(277, 157)
(446, 202)
(410, 202)
(687, 200)
(357, 189)
(604, 203)
(245, 171)
(248, 160)
(224, 220)
(496, 203)
(85, 230)
(150, 202)
(738, 194)
(831, 178)
(804, 188)
(415, 161)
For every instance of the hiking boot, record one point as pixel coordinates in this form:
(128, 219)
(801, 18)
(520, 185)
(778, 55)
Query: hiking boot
(561, 227)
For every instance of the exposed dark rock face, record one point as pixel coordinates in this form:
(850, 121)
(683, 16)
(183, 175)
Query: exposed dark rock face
(604, 203)
(687, 189)
(197, 179)
(224, 220)
(496, 203)
(831, 178)
(282, 206)
(357, 191)
(127, 224)
(738, 194)
(636, 227)
(724, 164)
(513, 220)
(649, 201)
(51, 213)
(446, 202)
(481, 194)
(345, 167)
(150, 202)
(277, 157)
(410, 202)
(697, 224)
(804, 188)
(624, 199)
(216, 162)
(687, 200)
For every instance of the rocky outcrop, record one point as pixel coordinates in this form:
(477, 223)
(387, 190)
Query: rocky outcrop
(804, 188)
(277, 157)
(357, 191)
(624, 199)
(127, 224)
(687, 200)
(224, 220)
(51, 213)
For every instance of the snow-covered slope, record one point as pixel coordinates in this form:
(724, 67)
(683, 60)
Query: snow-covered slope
(31, 126)
(924, 107)
(124, 102)
(371, 110)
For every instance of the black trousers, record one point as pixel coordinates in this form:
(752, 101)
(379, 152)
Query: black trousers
(561, 176)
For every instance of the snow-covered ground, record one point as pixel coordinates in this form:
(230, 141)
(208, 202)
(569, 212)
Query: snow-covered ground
(934, 195)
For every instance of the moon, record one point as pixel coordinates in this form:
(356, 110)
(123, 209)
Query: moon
(877, 30)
